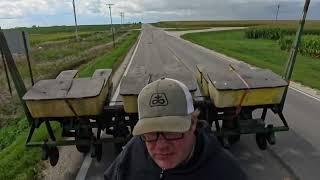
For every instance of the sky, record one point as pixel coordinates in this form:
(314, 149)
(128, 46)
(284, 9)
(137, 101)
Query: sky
(26, 13)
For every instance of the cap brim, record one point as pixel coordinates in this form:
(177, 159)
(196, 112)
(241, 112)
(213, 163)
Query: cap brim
(162, 124)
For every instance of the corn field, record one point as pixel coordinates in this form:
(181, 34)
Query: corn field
(275, 33)
(310, 44)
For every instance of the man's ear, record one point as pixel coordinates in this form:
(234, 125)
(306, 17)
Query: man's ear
(194, 119)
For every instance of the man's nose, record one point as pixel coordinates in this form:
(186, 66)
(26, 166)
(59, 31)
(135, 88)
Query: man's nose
(162, 142)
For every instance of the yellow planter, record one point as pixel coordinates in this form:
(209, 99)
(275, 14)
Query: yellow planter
(240, 85)
(69, 98)
(130, 103)
(232, 98)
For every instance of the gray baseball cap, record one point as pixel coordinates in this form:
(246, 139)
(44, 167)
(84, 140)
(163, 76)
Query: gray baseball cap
(164, 105)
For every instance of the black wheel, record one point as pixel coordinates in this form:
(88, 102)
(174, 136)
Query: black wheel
(271, 137)
(98, 152)
(53, 154)
(261, 141)
(83, 134)
(83, 148)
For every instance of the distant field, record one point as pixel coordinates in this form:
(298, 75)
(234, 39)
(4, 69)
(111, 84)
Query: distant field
(247, 23)
(40, 38)
(56, 33)
(82, 28)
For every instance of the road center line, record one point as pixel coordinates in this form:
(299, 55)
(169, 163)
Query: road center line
(179, 60)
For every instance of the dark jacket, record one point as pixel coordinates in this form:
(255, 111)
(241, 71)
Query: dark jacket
(209, 162)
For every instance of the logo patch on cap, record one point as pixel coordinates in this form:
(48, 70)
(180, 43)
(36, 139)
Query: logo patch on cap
(158, 99)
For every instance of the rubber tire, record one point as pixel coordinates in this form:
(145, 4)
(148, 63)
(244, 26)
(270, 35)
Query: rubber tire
(83, 133)
(53, 155)
(271, 138)
(261, 141)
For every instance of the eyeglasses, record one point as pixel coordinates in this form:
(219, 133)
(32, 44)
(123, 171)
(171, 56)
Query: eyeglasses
(169, 136)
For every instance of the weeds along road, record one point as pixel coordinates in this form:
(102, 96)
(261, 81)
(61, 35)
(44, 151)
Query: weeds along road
(297, 152)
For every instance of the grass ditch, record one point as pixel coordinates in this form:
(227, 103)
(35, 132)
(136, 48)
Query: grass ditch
(259, 52)
(19, 162)
(109, 60)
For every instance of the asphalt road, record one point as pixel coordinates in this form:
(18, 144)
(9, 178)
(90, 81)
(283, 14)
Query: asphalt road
(297, 152)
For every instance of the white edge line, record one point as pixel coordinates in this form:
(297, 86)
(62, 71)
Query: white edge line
(82, 173)
(116, 94)
(309, 95)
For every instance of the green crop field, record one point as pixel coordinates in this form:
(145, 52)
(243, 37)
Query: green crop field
(240, 23)
(276, 33)
(309, 45)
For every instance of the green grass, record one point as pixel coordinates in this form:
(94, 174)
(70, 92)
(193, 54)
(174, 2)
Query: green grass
(58, 50)
(260, 53)
(19, 162)
(9, 134)
(108, 60)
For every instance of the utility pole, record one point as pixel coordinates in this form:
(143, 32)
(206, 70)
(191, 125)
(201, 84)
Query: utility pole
(75, 19)
(112, 30)
(122, 17)
(278, 7)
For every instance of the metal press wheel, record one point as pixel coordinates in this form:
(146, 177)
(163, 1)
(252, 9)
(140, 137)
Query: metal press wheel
(271, 137)
(53, 154)
(261, 141)
(83, 134)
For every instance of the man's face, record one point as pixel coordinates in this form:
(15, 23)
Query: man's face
(169, 153)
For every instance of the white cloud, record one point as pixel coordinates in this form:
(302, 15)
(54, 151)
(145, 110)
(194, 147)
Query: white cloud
(33, 11)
